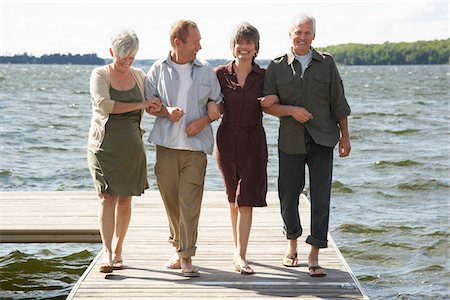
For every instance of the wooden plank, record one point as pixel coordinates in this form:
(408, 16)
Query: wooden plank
(38, 217)
(60, 215)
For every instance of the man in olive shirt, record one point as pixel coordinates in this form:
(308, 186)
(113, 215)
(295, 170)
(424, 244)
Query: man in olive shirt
(313, 119)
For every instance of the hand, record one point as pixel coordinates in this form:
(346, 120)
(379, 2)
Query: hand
(155, 105)
(213, 110)
(196, 126)
(301, 114)
(344, 146)
(268, 100)
(174, 113)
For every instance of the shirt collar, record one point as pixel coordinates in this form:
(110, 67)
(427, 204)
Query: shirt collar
(256, 68)
(315, 56)
(170, 62)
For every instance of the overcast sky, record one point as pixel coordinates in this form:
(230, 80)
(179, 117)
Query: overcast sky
(80, 27)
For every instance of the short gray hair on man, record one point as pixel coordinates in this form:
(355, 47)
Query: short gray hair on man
(124, 42)
(247, 32)
(303, 18)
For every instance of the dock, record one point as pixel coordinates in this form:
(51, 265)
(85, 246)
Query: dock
(72, 217)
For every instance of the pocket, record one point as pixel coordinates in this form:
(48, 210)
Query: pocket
(320, 86)
(203, 93)
(288, 91)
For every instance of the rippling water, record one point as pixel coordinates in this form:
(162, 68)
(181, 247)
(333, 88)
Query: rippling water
(390, 197)
(42, 271)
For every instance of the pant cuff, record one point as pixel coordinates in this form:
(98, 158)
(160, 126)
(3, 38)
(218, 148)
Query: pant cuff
(174, 243)
(316, 243)
(293, 236)
(187, 253)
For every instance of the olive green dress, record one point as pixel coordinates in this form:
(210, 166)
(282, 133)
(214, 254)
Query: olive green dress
(119, 167)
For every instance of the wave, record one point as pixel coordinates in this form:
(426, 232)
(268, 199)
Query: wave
(397, 245)
(6, 172)
(401, 163)
(440, 234)
(367, 278)
(360, 229)
(425, 185)
(48, 149)
(340, 187)
(428, 269)
(438, 248)
(43, 89)
(386, 195)
(81, 92)
(381, 114)
(41, 275)
(404, 131)
(368, 256)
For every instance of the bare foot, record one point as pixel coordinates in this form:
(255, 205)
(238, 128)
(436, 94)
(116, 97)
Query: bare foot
(315, 270)
(290, 258)
(174, 262)
(241, 266)
(187, 269)
(106, 266)
(117, 262)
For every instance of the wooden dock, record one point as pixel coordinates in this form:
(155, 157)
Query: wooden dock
(72, 216)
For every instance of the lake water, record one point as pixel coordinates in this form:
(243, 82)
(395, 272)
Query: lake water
(390, 201)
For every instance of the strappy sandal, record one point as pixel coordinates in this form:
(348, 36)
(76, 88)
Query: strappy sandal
(117, 264)
(290, 260)
(244, 270)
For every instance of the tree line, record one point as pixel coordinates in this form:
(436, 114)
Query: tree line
(77, 59)
(420, 53)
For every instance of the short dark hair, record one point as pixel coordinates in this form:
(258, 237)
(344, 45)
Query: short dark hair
(247, 32)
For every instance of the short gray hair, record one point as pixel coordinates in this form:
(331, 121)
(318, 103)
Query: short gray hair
(247, 32)
(124, 43)
(304, 18)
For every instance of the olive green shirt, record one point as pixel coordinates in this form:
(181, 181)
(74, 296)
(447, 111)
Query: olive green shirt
(320, 91)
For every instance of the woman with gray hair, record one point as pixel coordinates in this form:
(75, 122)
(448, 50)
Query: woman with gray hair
(241, 141)
(116, 153)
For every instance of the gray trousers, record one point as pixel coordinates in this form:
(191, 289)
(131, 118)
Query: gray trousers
(291, 182)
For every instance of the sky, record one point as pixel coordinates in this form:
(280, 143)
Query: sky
(85, 26)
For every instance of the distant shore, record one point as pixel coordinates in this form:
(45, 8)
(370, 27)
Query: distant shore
(417, 53)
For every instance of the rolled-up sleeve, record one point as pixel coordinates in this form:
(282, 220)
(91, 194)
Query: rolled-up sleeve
(270, 86)
(339, 104)
(99, 89)
(216, 94)
(150, 86)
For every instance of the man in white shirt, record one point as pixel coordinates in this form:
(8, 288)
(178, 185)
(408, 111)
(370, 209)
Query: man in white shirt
(183, 136)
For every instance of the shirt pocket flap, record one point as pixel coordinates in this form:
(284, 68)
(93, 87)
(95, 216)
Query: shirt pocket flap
(203, 92)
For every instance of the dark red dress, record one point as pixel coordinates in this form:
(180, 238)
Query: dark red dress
(241, 141)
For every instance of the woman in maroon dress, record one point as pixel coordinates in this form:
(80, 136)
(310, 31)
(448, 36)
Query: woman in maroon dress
(241, 141)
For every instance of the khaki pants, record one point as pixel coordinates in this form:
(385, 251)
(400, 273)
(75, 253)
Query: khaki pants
(180, 175)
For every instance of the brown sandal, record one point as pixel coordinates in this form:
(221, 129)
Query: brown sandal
(316, 271)
(106, 267)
